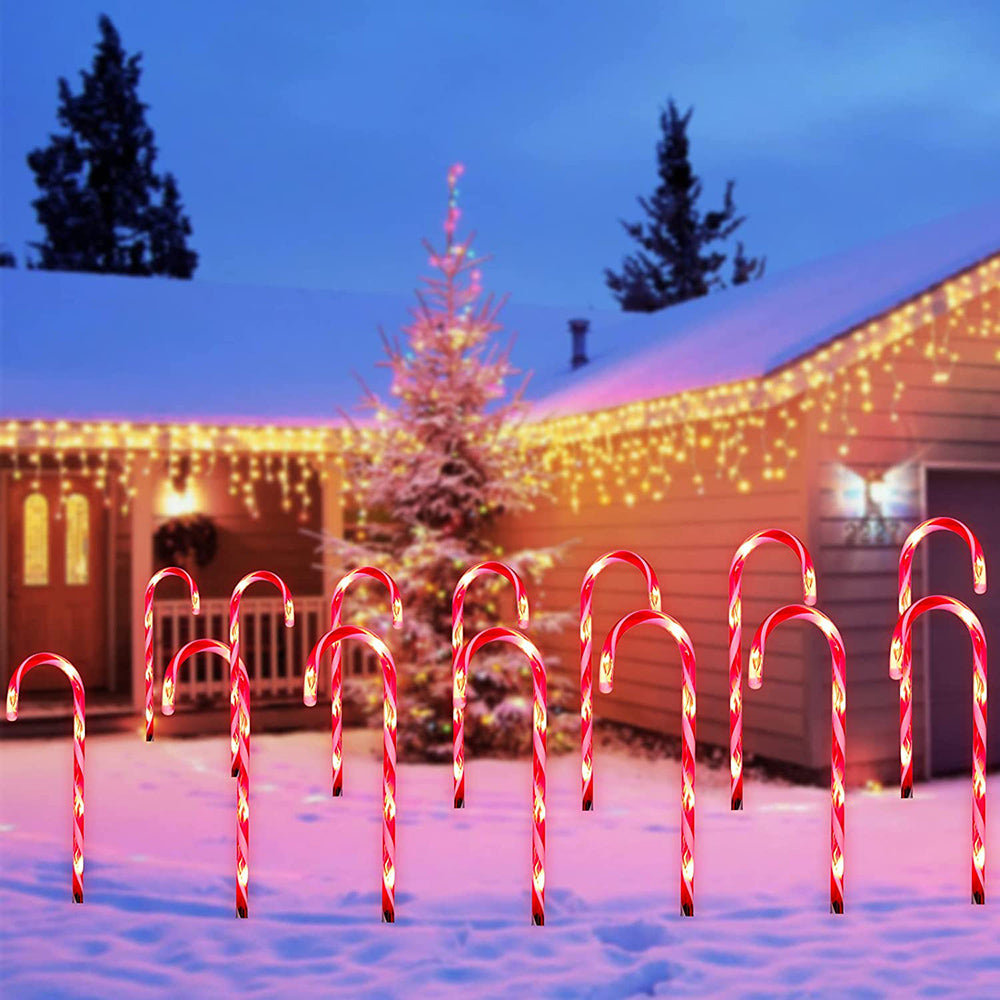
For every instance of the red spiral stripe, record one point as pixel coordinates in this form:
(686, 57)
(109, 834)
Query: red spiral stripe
(735, 636)
(901, 669)
(147, 623)
(838, 747)
(79, 748)
(538, 734)
(586, 648)
(458, 669)
(689, 713)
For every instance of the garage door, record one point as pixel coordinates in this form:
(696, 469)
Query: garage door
(972, 497)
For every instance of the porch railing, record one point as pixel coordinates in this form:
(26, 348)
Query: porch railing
(275, 656)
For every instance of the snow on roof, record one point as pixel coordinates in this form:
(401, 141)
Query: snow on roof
(749, 331)
(101, 347)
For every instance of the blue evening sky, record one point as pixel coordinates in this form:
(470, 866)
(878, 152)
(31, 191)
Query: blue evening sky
(310, 140)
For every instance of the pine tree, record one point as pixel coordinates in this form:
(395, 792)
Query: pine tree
(443, 464)
(746, 268)
(678, 259)
(7, 259)
(98, 182)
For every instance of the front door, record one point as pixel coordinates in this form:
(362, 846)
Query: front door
(57, 580)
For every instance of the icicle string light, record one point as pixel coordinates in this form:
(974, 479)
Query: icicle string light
(586, 646)
(838, 743)
(901, 669)
(332, 640)
(689, 712)
(735, 637)
(147, 625)
(310, 682)
(79, 745)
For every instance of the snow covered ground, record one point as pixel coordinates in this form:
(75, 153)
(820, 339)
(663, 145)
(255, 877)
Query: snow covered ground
(159, 913)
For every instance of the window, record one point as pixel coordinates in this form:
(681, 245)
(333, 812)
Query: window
(36, 540)
(77, 539)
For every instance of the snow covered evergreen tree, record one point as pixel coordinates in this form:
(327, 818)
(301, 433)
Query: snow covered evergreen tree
(446, 465)
(678, 259)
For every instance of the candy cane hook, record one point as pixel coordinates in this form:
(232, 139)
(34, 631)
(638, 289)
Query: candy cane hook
(689, 711)
(333, 639)
(735, 636)
(586, 643)
(242, 753)
(147, 622)
(901, 669)
(310, 683)
(906, 555)
(838, 748)
(539, 729)
(457, 634)
(79, 737)
(260, 576)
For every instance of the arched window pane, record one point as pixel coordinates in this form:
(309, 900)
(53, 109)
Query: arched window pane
(77, 539)
(36, 540)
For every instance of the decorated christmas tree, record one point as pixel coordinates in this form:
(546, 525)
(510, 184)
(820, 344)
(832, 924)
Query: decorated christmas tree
(442, 465)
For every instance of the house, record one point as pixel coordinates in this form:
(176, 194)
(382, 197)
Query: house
(843, 401)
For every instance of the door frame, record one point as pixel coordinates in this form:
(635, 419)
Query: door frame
(6, 667)
(926, 468)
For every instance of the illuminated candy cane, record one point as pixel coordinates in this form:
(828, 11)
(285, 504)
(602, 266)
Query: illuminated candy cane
(586, 643)
(242, 755)
(333, 639)
(457, 634)
(539, 729)
(735, 635)
(906, 554)
(147, 622)
(260, 576)
(838, 750)
(311, 681)
(689, 710)
(79, 736)
(900, 668)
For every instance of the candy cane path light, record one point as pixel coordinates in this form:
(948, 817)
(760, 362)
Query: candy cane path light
(689, 711)
(260, 576)
(901, 668)
(539, 729)
(310, 682)
(333, 639)
(838, 744)
(906, 555)
(735, 635)
(79, 738)
(457, 635)
(242, 753)
(586, 645)
(147, 623)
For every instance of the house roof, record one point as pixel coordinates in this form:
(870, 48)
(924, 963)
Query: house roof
(100, 347)
(751, 331)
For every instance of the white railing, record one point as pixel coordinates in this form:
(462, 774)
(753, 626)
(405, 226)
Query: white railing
(275, 656)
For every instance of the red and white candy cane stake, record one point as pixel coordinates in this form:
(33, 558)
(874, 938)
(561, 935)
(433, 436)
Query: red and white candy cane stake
(242, 755)
(586, 645)
(333, 639)
(689, 712)
(147, 623)
(79, 737)
(539, 729)
(260, 576)
(838, 747)
(906, 554)
(735, 634)
(457, 635)
(310, 683)
(901, 669)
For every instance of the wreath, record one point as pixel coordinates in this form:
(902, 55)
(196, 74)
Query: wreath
(181, 538)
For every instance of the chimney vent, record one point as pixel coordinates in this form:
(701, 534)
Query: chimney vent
(578, 330)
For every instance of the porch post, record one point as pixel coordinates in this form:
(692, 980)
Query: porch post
(332, 517)
(141, 550)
